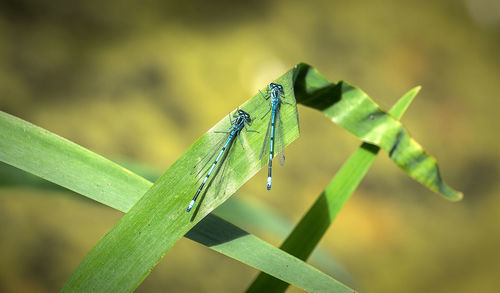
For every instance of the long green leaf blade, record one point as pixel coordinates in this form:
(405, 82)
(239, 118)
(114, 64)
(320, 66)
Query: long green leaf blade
(306, 235)
(256, 216)
(257, 253)
(49, 156)
(123, 258)
(67, 156)
(352, 109)
(344, 104)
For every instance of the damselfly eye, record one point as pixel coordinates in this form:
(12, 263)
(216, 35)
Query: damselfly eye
(276, 86)
(243, 114)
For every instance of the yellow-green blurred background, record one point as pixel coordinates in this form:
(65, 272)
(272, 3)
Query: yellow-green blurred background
(142, 80)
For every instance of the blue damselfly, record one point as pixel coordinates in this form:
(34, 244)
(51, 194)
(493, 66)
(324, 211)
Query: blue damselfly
(276, 93)
(242, 119)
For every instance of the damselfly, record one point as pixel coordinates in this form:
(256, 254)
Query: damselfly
(276, 93)
(242, 120)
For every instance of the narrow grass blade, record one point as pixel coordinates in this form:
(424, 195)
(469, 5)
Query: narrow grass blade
(128, 252)
(352, 109)
(223, 237)
(306, 235)
(219, 230)
(259, 218)
(49, 156)
(268, 258)
(123, 258)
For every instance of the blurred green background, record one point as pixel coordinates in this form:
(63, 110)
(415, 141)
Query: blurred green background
(140, 81)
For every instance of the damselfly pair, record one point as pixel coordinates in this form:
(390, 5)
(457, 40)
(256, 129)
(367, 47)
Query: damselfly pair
(276, 94)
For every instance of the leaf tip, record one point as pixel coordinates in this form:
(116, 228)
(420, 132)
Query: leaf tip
(458, 197)
(416, 89)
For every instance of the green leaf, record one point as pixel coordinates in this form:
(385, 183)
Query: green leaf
(234, 210)
(259, 218)
(129, 251)
(23, 138)
(306, 235)
(211, 231)
(257, 253)
(352, 109)
(40, 152)
(57, 150)
(123, 258)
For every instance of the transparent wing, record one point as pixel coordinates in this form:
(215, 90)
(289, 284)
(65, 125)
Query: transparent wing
(222, 180)
(209, 157)
(279, 148)
(265, 145)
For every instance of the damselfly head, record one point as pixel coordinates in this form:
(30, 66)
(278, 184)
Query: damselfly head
(279, 87)
(245, 115)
